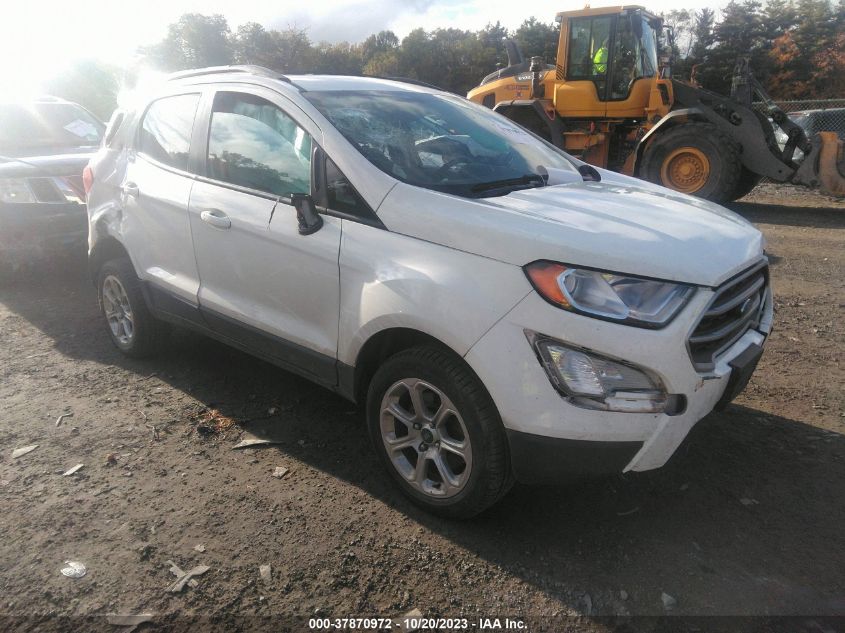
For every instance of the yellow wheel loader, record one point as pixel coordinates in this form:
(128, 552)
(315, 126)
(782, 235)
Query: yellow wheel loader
(612, 102)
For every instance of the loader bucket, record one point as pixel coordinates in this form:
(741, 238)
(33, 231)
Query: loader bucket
(831, 170)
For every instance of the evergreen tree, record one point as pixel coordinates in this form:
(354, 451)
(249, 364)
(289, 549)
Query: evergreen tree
(538, 39)
(702, 33)
(740, 33)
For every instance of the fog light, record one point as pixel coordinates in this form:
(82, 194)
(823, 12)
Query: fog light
(595, 382)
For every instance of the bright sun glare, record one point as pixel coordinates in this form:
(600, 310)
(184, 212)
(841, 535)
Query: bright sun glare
(39, 43)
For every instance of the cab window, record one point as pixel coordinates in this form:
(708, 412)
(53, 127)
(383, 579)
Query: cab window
(589, 48)
(165, 133)
(252, 143)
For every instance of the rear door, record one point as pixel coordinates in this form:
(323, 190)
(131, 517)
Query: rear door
(155, 192)
(263, 285)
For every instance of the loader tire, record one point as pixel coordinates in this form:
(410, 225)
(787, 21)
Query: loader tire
(695, 158)
(747, 181)
(528, 119)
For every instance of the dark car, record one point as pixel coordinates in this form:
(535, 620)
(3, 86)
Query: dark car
(44, 146)
(829, 120)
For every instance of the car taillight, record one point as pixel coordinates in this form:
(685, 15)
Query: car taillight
(87, 179)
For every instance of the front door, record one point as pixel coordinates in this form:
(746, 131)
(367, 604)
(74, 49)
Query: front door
(262, 284)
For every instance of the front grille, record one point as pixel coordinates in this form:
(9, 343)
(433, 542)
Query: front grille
(736, 307)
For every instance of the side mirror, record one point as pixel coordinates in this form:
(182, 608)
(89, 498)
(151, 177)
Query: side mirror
(589, 173)
(306, 213)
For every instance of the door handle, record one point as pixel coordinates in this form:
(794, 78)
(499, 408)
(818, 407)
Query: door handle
(131, 189)
(216, 218)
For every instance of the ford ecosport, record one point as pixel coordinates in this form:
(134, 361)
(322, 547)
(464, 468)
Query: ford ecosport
(500, 310)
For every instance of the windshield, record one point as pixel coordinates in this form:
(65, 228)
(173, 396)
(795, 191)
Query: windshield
(47, 125)
(439, 142)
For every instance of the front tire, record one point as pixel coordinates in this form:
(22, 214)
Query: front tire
(747, 181)
(694, 158)
(131, 326)
(438, 433)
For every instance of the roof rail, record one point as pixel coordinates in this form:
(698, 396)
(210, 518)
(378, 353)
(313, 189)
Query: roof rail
(243, 68)
(408, 80)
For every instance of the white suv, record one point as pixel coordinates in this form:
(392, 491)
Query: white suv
(501, 310)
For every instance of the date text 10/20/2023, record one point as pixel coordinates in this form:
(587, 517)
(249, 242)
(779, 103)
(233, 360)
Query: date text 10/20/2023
(417, 623)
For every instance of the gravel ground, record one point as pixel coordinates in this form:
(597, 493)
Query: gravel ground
(746, 519)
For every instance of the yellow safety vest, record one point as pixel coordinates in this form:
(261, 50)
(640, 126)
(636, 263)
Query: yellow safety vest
(600, 61)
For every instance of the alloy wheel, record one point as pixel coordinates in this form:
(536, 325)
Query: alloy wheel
(425, 437)
(118, 310)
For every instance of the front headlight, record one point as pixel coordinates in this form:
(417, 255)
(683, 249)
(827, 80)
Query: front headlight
(624, 298)
(15, 190)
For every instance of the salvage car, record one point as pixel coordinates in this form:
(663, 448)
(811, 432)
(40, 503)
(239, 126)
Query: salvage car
(500, 310)
(44, 146)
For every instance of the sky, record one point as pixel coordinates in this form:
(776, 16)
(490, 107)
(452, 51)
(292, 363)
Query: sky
(38, 36)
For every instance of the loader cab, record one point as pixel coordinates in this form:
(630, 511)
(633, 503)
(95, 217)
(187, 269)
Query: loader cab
(607, 62)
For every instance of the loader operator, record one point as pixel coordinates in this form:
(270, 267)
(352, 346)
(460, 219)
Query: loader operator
(600, 60)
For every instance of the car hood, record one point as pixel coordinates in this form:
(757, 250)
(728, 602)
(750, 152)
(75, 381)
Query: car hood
(65, 163)
(620, 224)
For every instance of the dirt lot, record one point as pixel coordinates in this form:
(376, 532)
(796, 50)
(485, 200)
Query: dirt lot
(746, 519)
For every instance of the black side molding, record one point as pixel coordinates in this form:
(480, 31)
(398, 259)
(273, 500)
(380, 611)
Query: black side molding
(319, 368)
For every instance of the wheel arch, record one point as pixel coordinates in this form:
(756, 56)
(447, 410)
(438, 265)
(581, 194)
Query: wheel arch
(106, 248)
(379, 347)
(668, 122)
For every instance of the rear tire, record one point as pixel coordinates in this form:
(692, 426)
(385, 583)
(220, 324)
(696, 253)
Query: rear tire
(130, 324)
(455, 464)
(694, 158)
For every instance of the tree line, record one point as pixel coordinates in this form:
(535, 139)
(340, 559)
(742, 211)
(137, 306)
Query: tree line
(796, 48)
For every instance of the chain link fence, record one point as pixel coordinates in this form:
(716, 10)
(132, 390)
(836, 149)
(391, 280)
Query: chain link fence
(814, 115)
(819, 115)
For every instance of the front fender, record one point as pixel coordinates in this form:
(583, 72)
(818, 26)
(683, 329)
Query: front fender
(389, 280)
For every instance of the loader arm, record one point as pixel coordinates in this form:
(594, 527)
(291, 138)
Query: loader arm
(745, 87)
(824, 155)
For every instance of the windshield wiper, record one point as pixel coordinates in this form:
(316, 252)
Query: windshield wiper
(506, 183)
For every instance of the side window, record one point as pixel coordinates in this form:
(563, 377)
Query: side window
(340, 194)
(589, 46)
(166, 130)
(252, 143)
